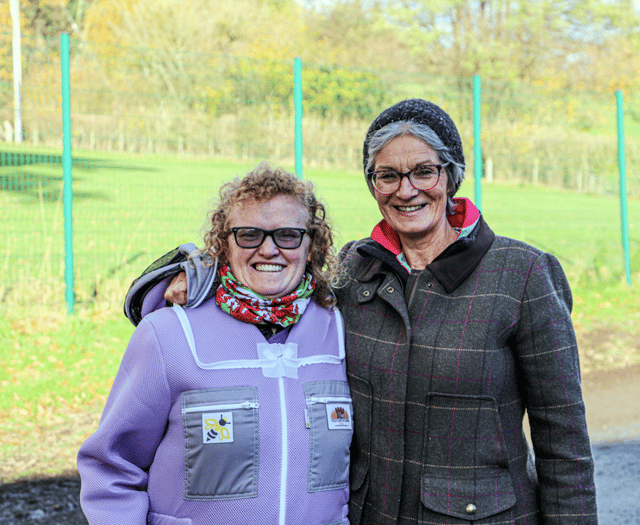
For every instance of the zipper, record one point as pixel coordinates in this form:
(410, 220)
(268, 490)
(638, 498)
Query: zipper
(285, 453)
(314, 400)
(216, 408)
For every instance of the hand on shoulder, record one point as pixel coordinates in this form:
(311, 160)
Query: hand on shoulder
(176, 293)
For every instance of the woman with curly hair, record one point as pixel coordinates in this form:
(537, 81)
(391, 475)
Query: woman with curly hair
(236, 410)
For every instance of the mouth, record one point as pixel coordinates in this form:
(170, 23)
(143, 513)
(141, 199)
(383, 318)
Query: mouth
(268, 267)
(409, 209)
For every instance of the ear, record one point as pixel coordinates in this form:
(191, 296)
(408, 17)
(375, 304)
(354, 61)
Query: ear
(450, 191)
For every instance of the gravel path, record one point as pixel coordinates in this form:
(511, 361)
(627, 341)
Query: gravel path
(51, 501)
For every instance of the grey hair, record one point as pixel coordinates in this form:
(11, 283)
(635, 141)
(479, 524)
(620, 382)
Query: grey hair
(382, 137)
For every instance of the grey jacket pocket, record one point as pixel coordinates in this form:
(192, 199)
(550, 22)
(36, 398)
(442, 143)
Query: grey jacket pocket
(163, 519)
(465, 471)
(330, 420)
(221, 457)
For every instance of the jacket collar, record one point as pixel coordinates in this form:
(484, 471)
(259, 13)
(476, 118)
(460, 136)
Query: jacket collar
(451, 267)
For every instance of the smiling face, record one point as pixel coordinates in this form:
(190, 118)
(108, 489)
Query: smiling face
(268, 270)
(412, 213)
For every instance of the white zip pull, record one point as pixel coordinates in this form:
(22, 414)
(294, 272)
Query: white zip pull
(216, 408)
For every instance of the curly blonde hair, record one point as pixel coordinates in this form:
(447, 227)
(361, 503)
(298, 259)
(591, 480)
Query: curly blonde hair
(263, 184)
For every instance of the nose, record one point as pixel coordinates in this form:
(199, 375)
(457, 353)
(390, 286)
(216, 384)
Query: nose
(268, 247)
(406, 189)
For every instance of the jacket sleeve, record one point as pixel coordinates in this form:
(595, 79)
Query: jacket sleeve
(114, 461)
(548, 355)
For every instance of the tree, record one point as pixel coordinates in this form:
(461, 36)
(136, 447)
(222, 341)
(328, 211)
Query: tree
(353, 34)
(609, 57)
(49, 18)
(5, 44)
(503, 39)
(207, 26)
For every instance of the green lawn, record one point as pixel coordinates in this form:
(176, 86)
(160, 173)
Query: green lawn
(130, 209)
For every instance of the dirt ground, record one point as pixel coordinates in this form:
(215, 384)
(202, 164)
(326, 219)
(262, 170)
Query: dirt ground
(612, 400)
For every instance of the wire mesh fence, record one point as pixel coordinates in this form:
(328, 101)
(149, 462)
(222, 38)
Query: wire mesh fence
(136, 111)
(149, 100)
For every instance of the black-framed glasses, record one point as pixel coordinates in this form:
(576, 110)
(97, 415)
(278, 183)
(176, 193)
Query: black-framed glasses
(285, 238)
(424, 177)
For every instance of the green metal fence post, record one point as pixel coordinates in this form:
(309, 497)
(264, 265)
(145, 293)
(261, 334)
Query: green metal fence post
(297, 102)
(67, 194)
(477, 146)
(624, 219)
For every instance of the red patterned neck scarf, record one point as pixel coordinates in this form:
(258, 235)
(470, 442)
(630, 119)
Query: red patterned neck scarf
(246, 305)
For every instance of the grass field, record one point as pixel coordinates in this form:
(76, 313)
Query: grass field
(57, 370)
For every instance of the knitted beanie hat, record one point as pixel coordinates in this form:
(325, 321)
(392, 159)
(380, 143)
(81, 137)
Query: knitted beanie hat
(422, 112)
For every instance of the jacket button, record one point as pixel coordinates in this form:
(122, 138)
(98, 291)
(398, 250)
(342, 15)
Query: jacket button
(390, 289)
(429, 285)
(366, 293)
(471, 509)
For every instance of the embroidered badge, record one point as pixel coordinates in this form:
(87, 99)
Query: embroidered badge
(217, 428)
(339, 416)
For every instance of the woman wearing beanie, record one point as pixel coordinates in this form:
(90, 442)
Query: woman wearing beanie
(452, 335)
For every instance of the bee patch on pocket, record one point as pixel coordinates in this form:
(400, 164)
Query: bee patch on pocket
(217, 428)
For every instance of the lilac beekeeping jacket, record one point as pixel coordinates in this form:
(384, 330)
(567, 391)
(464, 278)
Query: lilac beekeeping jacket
(207, 422)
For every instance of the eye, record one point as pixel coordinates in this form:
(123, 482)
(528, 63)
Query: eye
(249, 234)
(426, 172)
(288, 234)
(386, 176)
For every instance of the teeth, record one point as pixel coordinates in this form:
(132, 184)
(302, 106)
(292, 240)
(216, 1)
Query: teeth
(269, 267)
(408, 208)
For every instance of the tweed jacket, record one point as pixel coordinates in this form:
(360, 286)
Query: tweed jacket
(442, 365)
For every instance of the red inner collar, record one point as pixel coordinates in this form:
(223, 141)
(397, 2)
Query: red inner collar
(466, 214)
